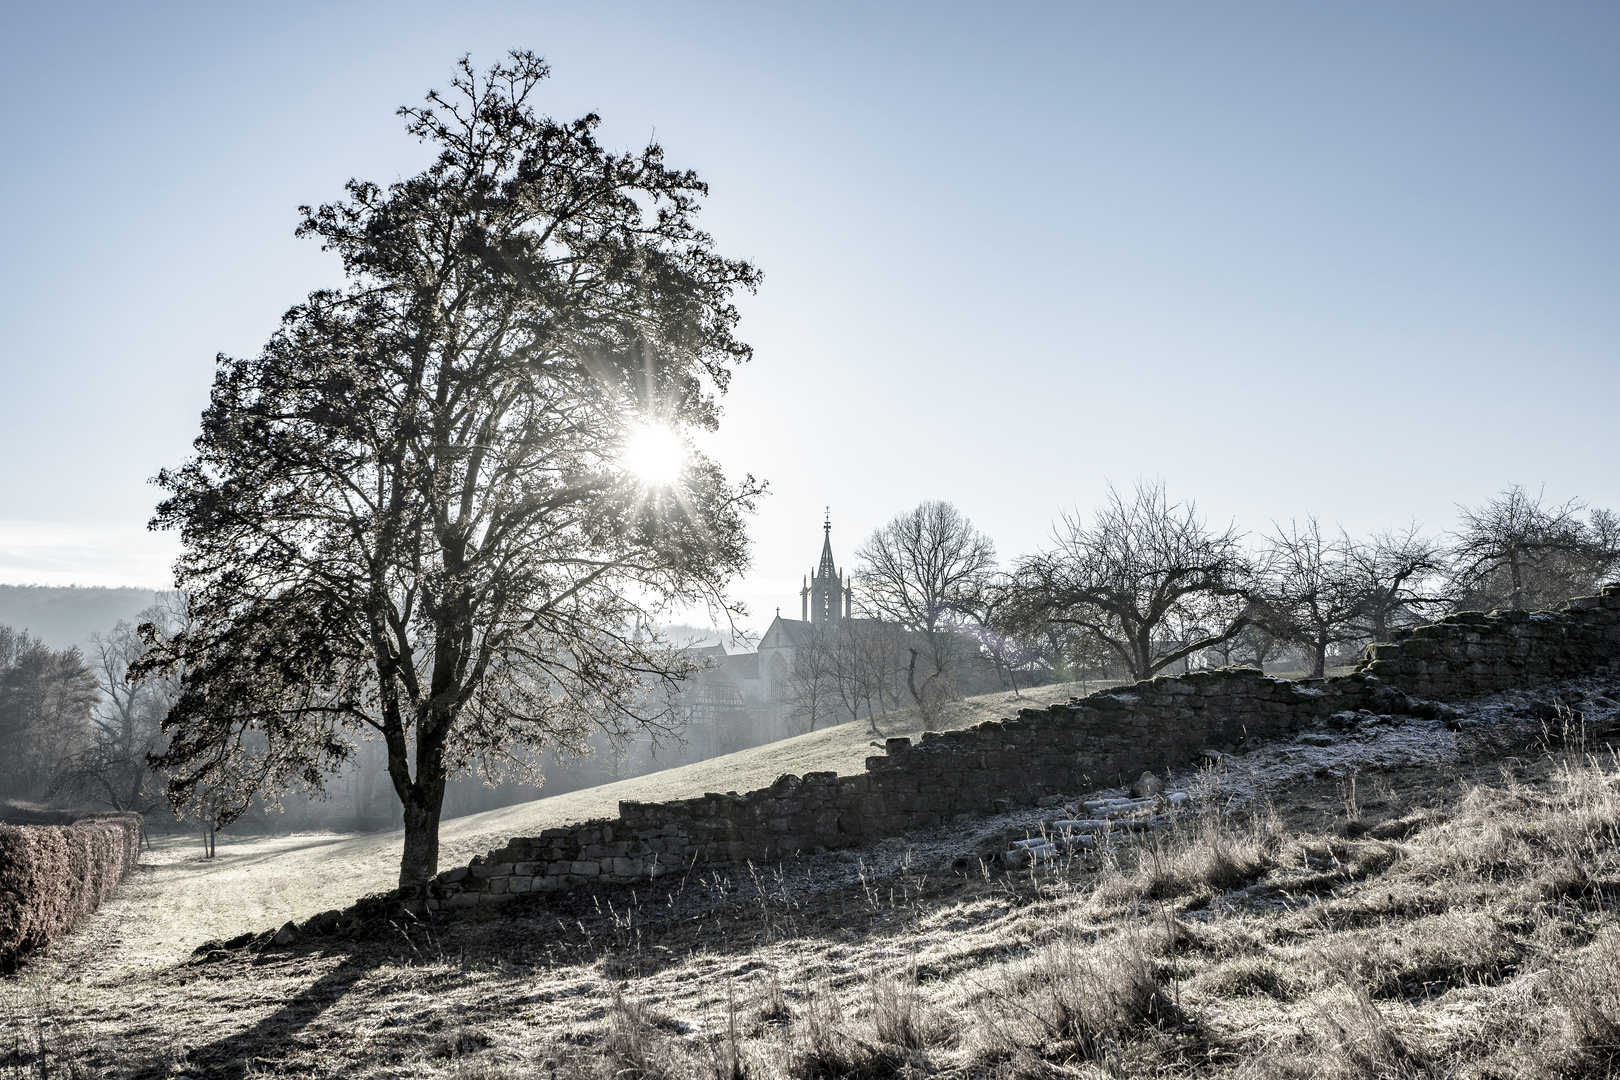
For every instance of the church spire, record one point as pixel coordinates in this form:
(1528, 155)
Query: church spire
(827, 601)
(827, 569)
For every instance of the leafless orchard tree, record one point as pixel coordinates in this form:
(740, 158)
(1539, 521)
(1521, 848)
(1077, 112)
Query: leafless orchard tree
(1078, 654)
(1255, 647)
(1319, 592)
(1517, 551)
(850, 685)
(1141, 579)
(810, 694)
(1396, 574)
(868, 659)
(1003, 631)
(925, 570)
(1310, 596)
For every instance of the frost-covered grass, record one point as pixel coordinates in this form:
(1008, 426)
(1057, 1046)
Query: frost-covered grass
(1462, 927)
(1443, 918)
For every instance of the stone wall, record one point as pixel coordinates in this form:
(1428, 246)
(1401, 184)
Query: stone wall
(1475, 653)
(1105, 739)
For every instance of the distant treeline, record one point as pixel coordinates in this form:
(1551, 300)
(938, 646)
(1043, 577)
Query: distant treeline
(65, 615)
(1146, 585)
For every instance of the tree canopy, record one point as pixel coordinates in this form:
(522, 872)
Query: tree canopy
(1148, 579)
(925, 571)
(1516, 551)
(409, 516)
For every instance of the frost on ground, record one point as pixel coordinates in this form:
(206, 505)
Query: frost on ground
(1348, 744)
(1466, 925)
(178, 899)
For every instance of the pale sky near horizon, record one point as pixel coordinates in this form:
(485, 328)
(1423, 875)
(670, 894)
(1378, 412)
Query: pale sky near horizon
(1360, 260)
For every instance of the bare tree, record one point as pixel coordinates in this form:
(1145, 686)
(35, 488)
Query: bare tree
(1000, 627)
(1310, 594)
(846, 656)
(1255, 646)
(1077, 654)
(1518, 552)
(885, 649)
(1141, 579)
(868, 659)
(127, 724)
(925, 570)
(810, 694)
(1261, 646)
(1394, 576)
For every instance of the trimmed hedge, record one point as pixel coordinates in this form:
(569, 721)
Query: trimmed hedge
(51, 876)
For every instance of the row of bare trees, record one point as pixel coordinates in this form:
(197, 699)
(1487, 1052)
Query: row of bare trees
(844, 669)
(1151, 583)
(1146, 583)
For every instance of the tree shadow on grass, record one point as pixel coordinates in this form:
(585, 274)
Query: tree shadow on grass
(275, 1043)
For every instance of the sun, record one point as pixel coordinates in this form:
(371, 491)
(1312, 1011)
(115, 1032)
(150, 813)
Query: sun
(655, 454)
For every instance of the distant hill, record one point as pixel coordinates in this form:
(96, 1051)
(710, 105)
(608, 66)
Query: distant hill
(63, 615)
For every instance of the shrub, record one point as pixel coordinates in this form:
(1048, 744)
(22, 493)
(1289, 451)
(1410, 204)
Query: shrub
(51, 876)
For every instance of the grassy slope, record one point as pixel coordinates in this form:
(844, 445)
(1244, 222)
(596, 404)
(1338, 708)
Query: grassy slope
(257, 882)
(1454, 921)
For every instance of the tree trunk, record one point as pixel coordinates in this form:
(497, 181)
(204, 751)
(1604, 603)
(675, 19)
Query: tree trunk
(1319, 658)
(1141, 664)
(421, 801)
(911, 684)
(420, 860)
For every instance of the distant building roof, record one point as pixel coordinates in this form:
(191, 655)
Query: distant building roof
(743, 665)
(788, 631)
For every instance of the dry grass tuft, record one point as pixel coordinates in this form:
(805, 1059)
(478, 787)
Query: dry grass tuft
(1366, 1042)
(824, 1044)
(1427, 956)
(1242, 976)
(1074, 1003)
(1211, 856)
(1588, 992)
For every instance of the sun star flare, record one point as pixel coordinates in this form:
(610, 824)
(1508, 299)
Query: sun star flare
(655, 454)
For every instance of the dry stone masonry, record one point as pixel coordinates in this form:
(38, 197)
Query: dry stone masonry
(1098, 741)
(1473, 653)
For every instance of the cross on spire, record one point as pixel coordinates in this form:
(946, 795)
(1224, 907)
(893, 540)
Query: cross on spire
(827, 570)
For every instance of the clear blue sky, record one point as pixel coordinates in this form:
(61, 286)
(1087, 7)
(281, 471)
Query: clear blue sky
(1355, 259)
